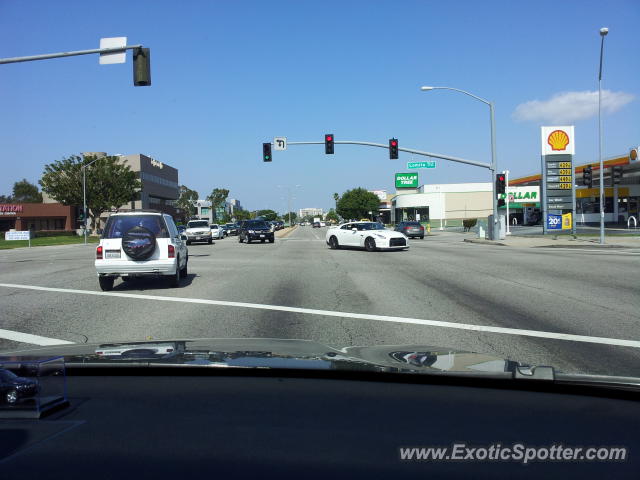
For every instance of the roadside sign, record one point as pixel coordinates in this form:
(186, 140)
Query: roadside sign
(406, 180)
(111, 58)
(280, 143)
(426, 164)
(18, 235)
(558, 178)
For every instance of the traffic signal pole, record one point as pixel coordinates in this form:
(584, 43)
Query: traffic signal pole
(68, 54)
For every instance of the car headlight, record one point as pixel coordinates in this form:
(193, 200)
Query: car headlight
(250, 231)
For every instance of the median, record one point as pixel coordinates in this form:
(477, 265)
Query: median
(285, 232)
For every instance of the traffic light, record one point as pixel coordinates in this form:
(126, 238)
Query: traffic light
(393, 148)
(328, 143)
(587, 176)
(141, 67)
(501, 183)
(616, 174)
(266, 152)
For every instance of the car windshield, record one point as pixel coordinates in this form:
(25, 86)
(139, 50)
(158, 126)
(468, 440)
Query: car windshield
(369, 226)
(452, 174)
(118, 225)
(197, 224)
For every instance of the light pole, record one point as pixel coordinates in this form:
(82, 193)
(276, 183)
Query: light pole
(84, 195)
(494, 165)
(289, 200)
(603, 33)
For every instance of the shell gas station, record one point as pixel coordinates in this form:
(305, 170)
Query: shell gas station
(622, 190)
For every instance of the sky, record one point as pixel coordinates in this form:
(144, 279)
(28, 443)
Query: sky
(230, 75)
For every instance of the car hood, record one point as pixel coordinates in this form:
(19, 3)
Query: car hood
(277, 353)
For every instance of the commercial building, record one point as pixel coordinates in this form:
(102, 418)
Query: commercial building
(622, 200)
(310, 212)
(37, 217)
(205, 212)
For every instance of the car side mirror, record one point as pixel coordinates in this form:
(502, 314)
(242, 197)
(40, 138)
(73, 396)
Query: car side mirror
(183, 237)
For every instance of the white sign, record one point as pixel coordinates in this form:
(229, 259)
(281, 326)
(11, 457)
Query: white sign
(110, 58)
(382, 194)
(19, 235)
(558, 140)
(156, 163)
(280, 143)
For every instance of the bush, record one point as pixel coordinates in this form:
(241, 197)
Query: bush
(469, 223)
(54, 233)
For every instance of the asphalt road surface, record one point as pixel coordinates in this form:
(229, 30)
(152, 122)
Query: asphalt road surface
(577, 310)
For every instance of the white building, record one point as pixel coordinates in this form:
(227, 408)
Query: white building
(312, 212)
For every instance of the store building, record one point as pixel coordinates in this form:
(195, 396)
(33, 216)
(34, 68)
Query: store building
(37, 217)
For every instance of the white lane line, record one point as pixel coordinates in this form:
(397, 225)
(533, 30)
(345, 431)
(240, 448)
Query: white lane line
(331, 313)
(28, 338)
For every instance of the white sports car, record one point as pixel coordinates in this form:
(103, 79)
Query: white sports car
(370, 235)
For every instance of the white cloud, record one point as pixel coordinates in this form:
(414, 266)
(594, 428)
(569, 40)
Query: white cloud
(568, 107)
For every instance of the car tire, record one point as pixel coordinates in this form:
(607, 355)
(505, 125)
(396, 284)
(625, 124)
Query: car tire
(139, 243)
(333, 243)
(106, 283)
(210, 241)
(262, 240)
(370, 244)
(174, 280)
(239, 239)
(184, 271)
(248, 239)
(272, 239)
(422, 237)
(11, 397)
(188, 242)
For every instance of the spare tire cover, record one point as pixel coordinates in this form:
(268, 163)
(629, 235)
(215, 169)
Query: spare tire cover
(139, 243)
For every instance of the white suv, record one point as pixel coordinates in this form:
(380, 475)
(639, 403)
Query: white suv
(137, 244)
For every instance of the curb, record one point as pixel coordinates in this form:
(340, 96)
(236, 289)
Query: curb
(286, 233)
(484, 242)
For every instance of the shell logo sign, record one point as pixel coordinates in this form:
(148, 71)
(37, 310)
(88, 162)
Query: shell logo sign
(558, 140)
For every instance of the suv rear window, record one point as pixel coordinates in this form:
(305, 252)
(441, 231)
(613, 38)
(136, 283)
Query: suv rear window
(256, 224)
(118, 225)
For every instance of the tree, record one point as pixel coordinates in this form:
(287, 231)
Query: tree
(110, 183)
(357, 203)
(186, 202)
(218, 197)
(25, 192)
(268, 215)
(285, 216)
(241, 214)
(332, 216)
(5, 199)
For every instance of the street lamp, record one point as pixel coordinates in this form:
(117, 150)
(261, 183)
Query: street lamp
(603, 33)
(84, 195)
(494, 165)
(289, 200)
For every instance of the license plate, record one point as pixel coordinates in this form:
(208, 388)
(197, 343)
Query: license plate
(261, 236)
(112, 254)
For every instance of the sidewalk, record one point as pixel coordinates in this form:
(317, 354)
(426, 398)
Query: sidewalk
(563, 241)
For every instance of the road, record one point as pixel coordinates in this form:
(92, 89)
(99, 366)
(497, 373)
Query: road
(516, 303)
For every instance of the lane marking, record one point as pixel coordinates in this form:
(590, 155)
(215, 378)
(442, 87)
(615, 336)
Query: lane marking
(29, 338)
(331, 313)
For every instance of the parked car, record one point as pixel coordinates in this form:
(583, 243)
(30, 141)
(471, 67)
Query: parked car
(410, 229)
(316, 224)
(217, 231)
(13, 388)
(198, 231)
(369, 235)
(231, 228)
(136, 244)
(255, 230)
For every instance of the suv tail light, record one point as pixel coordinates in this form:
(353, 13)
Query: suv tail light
(421, 227)
(172, 251)
(99, 252)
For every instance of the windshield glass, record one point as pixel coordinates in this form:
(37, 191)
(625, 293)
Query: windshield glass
(418, 175)
(202, 224)
(117, 226)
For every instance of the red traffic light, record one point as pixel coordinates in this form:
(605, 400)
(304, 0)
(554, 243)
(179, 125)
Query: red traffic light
(501, 178)
(329, 138)
(394, 143)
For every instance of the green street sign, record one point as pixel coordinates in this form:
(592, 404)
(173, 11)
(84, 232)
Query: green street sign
(427, 164)
(406, 180)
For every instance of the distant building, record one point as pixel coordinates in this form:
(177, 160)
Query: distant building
(205, 212)
(311, 212)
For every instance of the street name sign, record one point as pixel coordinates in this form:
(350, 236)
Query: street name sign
(427, 164)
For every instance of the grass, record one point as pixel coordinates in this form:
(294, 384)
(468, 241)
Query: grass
(45, 241)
